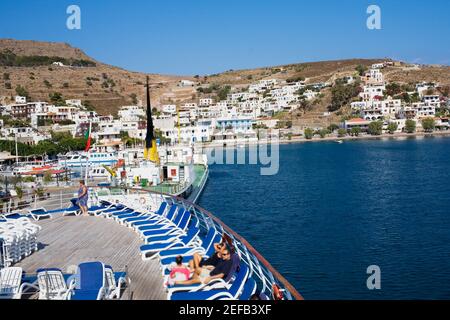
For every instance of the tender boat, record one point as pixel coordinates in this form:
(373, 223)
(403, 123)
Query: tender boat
(83, 159)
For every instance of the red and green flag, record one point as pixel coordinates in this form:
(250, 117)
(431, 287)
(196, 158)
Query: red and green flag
(88, 138)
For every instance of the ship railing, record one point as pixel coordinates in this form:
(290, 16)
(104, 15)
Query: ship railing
(260, 269)
(171, 189)
(50, 200)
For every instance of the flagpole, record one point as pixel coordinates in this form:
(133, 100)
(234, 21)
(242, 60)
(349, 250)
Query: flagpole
(88, 153)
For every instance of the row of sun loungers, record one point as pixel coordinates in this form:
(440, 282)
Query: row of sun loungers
(167, 232)
(93, 281)
(171, 231)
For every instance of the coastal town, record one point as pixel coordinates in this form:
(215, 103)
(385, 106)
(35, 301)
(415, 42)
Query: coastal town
(376, 107)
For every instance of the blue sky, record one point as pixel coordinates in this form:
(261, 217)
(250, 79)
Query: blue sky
(207, 36)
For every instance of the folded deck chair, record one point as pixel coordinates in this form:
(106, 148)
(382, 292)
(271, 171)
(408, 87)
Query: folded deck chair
(232, 293)
(157, 222)
(11, 286)
(114, 283)
(175, 242)
(149, 215)
(91, 282)
(52, 284)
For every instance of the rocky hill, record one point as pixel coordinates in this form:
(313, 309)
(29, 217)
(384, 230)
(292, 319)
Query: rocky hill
(104, 87)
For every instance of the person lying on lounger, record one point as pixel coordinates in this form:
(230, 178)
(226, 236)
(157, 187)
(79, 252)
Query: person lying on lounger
(198, 261)
(178, 272)
(206, 274)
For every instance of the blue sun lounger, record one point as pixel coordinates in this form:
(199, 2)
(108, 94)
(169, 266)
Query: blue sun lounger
(162, 238)
(113, 214)
(249, 290)
(91, 282)
(102, 207)
(179, 227)
(40, 213)
(232, 293)
(135, 214)
(164, 243)
(12, 216)
(157, 222)
(206, 250)
(149, 215)
(214, 284)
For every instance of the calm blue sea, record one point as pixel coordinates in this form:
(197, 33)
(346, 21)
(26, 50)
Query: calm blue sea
(333, 210)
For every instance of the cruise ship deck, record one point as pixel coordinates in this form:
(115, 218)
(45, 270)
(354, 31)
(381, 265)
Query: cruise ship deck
(67, 241)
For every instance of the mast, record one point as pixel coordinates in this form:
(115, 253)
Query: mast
(87, 156)
(17, 152)
(178, 125)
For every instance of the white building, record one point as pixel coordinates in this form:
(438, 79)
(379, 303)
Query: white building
(26, 135)
(206, 102)
(170, 109)
(20, 99)
(432, 100)
(131, 113)
(374, 76)
(74, 103)
(424, 110)
(370, 92)
(378, 66)
(186, 83)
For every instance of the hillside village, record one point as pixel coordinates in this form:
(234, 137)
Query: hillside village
(365, 102)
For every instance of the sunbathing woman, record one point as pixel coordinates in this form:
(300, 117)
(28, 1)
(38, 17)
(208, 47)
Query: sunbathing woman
(178, 272)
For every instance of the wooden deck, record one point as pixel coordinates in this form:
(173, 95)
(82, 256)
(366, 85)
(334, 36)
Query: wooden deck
(68, 241)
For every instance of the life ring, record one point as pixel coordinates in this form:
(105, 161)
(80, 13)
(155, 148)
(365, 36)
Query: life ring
(142, 200)
(277, 292)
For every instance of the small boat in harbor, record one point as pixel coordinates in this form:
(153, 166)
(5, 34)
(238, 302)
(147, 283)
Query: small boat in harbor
(81, 159)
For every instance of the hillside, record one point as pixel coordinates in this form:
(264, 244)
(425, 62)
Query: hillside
(107, 88)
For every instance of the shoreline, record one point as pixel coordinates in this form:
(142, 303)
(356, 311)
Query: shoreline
(237, 143)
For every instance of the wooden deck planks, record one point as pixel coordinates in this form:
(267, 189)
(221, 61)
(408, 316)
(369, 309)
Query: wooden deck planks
(71, 240)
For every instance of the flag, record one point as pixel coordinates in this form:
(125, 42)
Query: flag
(150, 150)
(88, 138)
